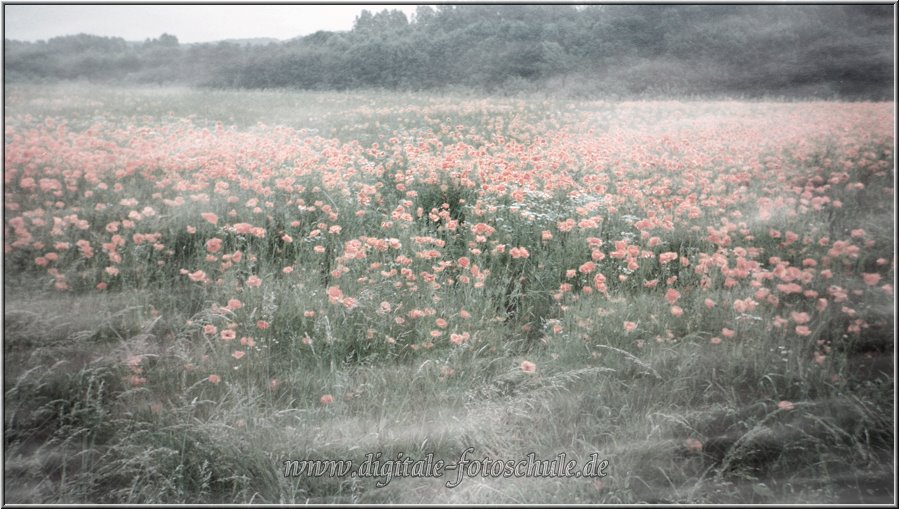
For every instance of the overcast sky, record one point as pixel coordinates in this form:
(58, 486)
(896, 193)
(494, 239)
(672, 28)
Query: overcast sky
(190, 23)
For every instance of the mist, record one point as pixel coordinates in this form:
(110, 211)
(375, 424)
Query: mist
(817, 51)
(243, 238)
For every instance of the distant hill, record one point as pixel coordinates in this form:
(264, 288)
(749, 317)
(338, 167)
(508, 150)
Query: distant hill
(824, 51)
(253, 41)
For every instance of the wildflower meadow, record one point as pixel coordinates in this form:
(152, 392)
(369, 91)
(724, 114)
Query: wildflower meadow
(200, 286)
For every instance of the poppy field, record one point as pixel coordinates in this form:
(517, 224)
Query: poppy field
(201, 285)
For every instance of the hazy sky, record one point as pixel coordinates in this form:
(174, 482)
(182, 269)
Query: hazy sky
(190, 23)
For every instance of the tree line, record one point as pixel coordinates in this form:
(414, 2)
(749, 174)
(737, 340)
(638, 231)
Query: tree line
(598, 50)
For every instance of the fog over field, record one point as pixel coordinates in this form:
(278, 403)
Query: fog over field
(474, 254)
(823, 51)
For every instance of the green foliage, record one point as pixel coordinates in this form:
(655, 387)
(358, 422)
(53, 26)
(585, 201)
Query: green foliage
(822, 51)
(109, 398)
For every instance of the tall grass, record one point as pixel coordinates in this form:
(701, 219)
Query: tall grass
(135, 393)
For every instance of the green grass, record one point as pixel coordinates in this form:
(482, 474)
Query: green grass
(79, 430)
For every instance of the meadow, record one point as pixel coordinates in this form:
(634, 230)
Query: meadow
(202, 285)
